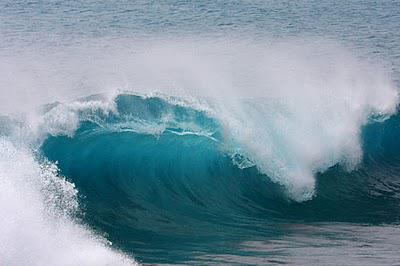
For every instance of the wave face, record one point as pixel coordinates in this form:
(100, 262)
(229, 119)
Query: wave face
(155, 173)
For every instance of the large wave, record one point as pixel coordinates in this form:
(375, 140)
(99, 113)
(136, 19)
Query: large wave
(238, 134)
(155, 168)
(162, 140)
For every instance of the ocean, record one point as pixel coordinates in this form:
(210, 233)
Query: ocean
(241, 132)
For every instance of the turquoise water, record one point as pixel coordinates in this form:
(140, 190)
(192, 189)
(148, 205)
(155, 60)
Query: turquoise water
(183, 199)
(212, 132)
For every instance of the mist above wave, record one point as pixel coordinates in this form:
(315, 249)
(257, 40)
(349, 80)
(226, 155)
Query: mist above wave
(294, 107)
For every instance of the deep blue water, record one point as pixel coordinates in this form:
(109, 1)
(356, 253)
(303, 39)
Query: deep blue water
(209, 132)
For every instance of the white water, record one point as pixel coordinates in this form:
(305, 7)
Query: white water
(36, 224)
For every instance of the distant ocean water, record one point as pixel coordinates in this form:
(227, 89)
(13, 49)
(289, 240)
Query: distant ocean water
(210, 132)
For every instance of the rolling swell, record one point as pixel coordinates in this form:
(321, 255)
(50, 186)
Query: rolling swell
(155, 170)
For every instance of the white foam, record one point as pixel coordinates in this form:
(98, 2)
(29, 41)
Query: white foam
(36, 224)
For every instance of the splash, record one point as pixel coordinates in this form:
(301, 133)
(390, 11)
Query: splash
(37, 205)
